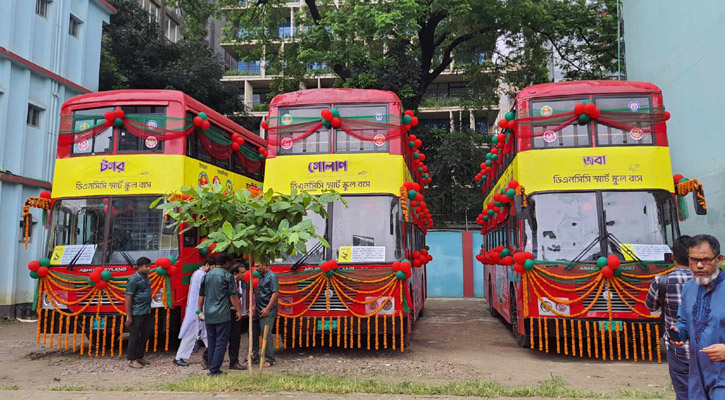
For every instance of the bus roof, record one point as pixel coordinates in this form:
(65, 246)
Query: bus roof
(337, 95)
(115, 96)
(586, 87)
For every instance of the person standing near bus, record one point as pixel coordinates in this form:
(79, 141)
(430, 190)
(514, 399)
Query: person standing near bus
(217, 293)
(235, 335)
(192, 328)
(138, 313)
(701, 319)
(265, 313)
(665, 293)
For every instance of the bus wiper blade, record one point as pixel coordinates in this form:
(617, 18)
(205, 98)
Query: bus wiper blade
(304, 258)
(76, 257)
(618, 243)
(586, 250)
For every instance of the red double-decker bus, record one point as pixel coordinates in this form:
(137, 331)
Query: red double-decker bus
(118, 152)
(369, 287)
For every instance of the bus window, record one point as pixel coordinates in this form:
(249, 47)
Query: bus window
(366, 222)
(102, 143)
(318, 142)
(638, 217)
(153, 117)
(565, 224)
(243, 165)
(319, 253)
(78, 222)
(136, 231)
(573, 135)
(375, 114)
(609, 136)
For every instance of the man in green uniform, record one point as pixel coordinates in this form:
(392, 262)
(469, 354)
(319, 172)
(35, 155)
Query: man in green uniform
(138, 313)
(218, 292)
(265, 313)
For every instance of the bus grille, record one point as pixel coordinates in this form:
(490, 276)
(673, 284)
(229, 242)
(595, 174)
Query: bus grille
(335, 302)
(601, 302)
(94, 302)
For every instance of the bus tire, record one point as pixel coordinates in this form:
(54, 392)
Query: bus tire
(491, 309)
(521, 339)
(421, 313)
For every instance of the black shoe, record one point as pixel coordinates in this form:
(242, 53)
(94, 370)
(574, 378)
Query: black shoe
(216, 373)
(181, 363)
(238, 367)
(144, 361)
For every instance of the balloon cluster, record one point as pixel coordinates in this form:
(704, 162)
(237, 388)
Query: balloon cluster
(255, 281)
(523, 261)
(678, 178)
(200, 121)
(205, 251)
(418, 158)
(99, 278)
(45, 194)
(500, 255)
(509, 122)
(39, 268)
(331, 118)
(328, 267)
(262, 153)
(421, 258)
(609, 266)
(403, 269)
(422, 215)
(114, 118)
(408, 120)
(493, 157)
(166, 266)
(496, 210)
(586, 111)
(237, 141)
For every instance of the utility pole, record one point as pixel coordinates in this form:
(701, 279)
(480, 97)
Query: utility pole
(619, 45)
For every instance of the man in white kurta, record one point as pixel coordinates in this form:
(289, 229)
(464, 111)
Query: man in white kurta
(192, 328)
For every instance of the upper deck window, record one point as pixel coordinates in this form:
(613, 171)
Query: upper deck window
(375, 115)
(101, 143)
(573, 135)
(610, 136)
(152, 117)
(294, 122)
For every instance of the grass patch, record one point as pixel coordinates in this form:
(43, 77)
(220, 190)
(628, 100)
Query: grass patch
(13, 387)
(67, 388)
(552, 387)
(120, 389)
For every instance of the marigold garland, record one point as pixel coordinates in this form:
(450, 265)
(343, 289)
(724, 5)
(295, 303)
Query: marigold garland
(276, 334)
(392, 331)
(105, 332)
(385, 332)
(566, 344)
(113, 335)
(659, 350)
(589, 341)
(541, 336)
(294, 330)
(611, 342)
(558, 343)
(322, 337)
(284, 337)
(649, 342)
(338, 331)
(75, 330)
(604, 342)
(83, 333)
(368, 331)
(596, 339)
(377, 323)
(531, 330)
(573, 339)
(626, 341)
(402, 335)
(581, 344)
(619, 347)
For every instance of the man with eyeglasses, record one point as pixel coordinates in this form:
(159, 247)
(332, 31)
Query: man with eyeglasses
(701, 320)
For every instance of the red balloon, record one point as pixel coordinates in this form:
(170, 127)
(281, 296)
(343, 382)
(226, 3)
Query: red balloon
(239, 140)
(325, 266)
(408, 112)
(416, 187)
(519, 268)
(412, 137)
(45, 194)
(613, 262)
(197, 121)
(595, 114)
(425, 168)
(501, 138)
(579, 108)
(424, 252)
(421, 158)
(519, 258)
(497, 197)
(33, 265)
(413, 121)
(494, 150)
(512, 124)
(508, 260)
(109, 116)
(95, 276)
(118, 113)
(429, 257)
(405, 267)
(335, 122)
(326, 114)
(513, 184)
(235, 146)
(44, 271)
(416, 254)
(265, 125)
(418, 143)
(529, 256)
(416, 263)
(333, 264)
(607, 272)
(589, 108)
(246, 276)
(205, 125)
(502, 123)
(667, 115)
(677, 178)
(172, 270)
(165, 263)
(396, 266)
(100, 285)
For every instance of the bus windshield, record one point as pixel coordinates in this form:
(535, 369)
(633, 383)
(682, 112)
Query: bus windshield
(133, 229)
(563, 225)
(368, 221)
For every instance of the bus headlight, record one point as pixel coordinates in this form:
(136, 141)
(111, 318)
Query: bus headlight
(49, 304)
(157, 301)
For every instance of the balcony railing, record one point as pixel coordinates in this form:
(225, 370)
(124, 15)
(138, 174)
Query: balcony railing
(439, 102)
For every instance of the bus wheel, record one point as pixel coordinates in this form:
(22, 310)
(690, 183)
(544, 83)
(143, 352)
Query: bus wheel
(491, 309)
(521, 339)
(421, 313)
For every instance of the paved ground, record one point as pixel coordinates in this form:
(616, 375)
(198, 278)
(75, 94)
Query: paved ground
(456, 340)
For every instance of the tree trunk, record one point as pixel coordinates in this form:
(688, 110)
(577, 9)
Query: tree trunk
(249, 314)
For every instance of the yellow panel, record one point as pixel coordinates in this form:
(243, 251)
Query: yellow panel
(345, 173)
(136, 174)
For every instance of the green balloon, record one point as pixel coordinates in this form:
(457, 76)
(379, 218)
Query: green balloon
(491, 213)
(118, 122)
(335, 113)
(488, 156)
(412, 194)
(411, 144)
(260, 157)
(489, 163)
(330, 273)
(204, 252)
(483, 246)
(587, 102)
(583, 118)
(497, 203)
(327, 124)
(256, 274)
(602, 262)
(494, 157)
(505, 252)
(427, 247)
(683, 180)
(485, 218)
(44, 262)
(420, 169)
(160, 271)
(202, 115)
(503, 191)
(510, 116)
(33, 274)
(416, 155)
(106, 275)
(400, 275)
(529, 265)
(90, 282)
(511, 193)
(407, 119)
(494, 139)
(172, 259)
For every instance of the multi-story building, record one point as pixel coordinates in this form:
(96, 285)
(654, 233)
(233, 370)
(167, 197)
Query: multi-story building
(442, 106)
(50, 51)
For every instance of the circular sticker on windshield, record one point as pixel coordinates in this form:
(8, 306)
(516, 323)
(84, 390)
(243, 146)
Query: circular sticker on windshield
(379, 116)
(286, 143)
(379, 139)
(152, 124)
(83, 145)
(549, 136)
(636, 134)
(633, 106)
(151, 142)
(203, 179)
(229, 186)
(286, 119)
(84, 126)
(546, 111)
(217, 180)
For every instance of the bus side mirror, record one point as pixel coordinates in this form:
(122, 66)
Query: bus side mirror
(521, 211)
(698, 200)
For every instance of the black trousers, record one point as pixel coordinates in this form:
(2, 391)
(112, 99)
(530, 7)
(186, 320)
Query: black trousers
(142, 326)
(235, 337)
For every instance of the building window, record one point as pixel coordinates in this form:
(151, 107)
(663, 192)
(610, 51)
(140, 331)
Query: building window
(41, 7)
(74, 27)
(172, 30)
(34, 115)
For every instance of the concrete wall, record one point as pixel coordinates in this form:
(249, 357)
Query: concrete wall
(454, 271)
(677, 45)
(41, 64)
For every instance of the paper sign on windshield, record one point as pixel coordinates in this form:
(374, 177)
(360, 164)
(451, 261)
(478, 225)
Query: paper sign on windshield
(645, 252)
(63, 255)
(353, 254)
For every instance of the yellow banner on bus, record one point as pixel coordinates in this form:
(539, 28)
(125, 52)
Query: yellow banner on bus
(135, 174)
(345, 173)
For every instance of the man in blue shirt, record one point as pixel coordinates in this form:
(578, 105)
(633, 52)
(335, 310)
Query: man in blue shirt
(665, 293)
(138, 313)
(265, 313)
(217, 293)
(701, 320)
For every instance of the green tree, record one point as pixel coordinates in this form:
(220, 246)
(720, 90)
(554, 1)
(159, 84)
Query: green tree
(135, 55)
